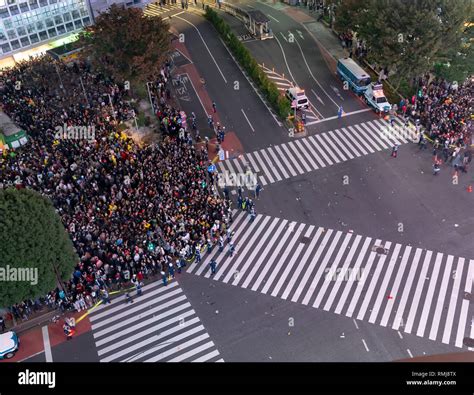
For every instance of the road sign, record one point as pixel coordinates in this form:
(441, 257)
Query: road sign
(212, 168)
(221, 154)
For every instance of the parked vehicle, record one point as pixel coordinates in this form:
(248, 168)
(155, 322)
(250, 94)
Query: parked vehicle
(357, 78)
(9, 344)
(297, 98)
(375, 97)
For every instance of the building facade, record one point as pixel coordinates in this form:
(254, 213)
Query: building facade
(28, 23)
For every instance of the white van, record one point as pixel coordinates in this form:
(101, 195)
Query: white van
(9, 344)
(297, 98)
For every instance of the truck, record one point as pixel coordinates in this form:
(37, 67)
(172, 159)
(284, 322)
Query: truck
(375, 98)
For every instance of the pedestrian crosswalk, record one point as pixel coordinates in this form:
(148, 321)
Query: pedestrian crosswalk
(154, 9)
(160, 325)
(275, 163)
(401, 287)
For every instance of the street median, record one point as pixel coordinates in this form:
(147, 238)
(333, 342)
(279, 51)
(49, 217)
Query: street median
(280, 103)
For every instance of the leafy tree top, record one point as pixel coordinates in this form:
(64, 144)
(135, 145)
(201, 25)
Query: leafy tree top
(126, 44)
(32, 236)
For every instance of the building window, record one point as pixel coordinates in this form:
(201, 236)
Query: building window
(6, 48)
(34, 38)
(3, 37)
(52, 32)
(11, 34)
(86, 21)
(21, 31)
(25, 42)
(58, 20)
(10, 1)
(49, 22)
(24, 7)
(14, 10)
(43, 35)
(39, 25)
(43, 3)
(78, 24)
(67, 17)
(8, 24)
(61, 29)
(75, 14)
(33, 4)
(15, 44)
(4, 13)
(69, 26)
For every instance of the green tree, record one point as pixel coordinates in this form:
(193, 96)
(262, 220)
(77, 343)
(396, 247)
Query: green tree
(408, 37)
(32, 236)
(127, 45)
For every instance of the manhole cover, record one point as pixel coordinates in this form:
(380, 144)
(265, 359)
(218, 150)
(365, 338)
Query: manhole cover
(305, 240)
(468, 342)
(379, 250)
(469, 296)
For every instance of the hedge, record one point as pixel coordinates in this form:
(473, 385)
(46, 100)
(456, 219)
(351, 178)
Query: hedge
(280, 103)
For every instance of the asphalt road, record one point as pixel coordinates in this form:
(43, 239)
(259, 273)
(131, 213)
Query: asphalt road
(392, 199)
(240, 109)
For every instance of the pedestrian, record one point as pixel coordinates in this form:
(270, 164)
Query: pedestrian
(198, 253)
(339, 112)
(221, 243)
(128, 298)
(253, 214)
(231, 249)
(209, 246)
(105, 297)
(229, 235)
(394, 151)
(171, 269)
(67, 331)
(240, 190)
(214, 108)
(2, 324)
(436, 168)
(239, 202)
(164, 278)
(213, 265)
(258, 189)
(226, 192)
(139, 289)
(303, 118)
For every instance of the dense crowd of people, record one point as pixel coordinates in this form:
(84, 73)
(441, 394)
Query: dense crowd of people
(131, 210)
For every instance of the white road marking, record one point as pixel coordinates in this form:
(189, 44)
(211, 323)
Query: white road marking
(311, 73)
(273, 18)
(317, 97)
(47, 345)
(245, 115)
(336, 116)
(197, 94)
(284, 58)
(409, 353)
(399, 334)
(204, 42)
(365, 345)
(355, 323)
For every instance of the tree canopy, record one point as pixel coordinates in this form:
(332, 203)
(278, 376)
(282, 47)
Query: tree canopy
(32, 236)
(127, 45)
(409, 37)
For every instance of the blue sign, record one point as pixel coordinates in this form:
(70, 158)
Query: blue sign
(211, 168)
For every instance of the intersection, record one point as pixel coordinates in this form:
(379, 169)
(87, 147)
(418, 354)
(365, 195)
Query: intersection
(353, 255)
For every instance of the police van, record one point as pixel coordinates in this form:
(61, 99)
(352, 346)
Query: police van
(297, 98)
(9, 344)
(375, 98)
